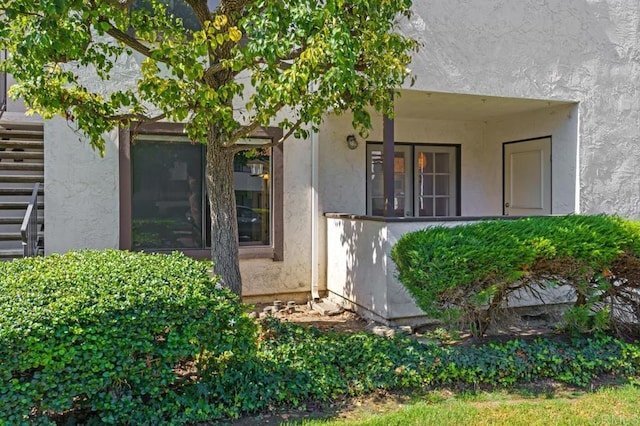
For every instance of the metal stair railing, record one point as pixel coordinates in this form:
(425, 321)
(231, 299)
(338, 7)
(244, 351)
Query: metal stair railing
(3, 86)
(29, 228)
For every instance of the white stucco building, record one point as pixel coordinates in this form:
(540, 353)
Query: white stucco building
(519, 108)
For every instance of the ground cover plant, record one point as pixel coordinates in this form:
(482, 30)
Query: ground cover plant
(469, 272)
(130, 338)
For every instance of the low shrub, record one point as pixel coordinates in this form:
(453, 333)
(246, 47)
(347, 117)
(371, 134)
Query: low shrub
(468, 272)
(125, 337)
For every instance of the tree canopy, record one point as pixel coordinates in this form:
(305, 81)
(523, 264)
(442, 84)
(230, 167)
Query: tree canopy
(345, 50)
(225, 68)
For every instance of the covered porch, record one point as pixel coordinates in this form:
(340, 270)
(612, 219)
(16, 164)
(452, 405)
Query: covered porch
(456, 159)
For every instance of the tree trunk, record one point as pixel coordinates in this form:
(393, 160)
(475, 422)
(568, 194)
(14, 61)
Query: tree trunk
(224, 225)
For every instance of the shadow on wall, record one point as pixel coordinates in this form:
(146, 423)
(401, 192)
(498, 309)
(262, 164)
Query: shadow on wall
(363, 246)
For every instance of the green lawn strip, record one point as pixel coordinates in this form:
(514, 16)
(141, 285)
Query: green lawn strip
(609, 406)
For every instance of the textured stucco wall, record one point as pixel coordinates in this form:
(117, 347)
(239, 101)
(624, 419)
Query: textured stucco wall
(293, 275)
(363, 277)
(81, 191)
(584, 51)
(361, 274)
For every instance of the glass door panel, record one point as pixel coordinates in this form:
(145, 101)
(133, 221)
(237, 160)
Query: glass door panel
(402, 181)
(435, 193)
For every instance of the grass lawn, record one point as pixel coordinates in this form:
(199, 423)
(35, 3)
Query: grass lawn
(608, 406)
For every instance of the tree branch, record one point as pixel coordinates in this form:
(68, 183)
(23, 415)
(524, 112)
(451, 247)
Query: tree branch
(238, 147)
(290, 132)
(124, 4)
(201, 10)
(232, 7)
(243, 132)
(126, 39)
(137, 117)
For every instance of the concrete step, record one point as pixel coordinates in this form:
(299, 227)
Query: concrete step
(19, 191)
(10, 236)
(18, 205)
(15, 220)
(8, 254)
(21, 155)
(7, 123)
(21, 143)
(33, 178)
(38, 167)
(21, 133)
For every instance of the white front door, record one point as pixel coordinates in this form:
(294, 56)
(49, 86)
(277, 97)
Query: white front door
(527, 177)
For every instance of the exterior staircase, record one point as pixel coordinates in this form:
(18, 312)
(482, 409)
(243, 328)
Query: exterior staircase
(21, 168)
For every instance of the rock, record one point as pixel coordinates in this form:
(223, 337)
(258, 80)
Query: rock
(327, 308)
(428, 341)
(404, 329)
(382, 330)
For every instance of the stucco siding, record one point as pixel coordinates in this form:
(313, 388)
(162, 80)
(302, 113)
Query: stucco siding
(293, 275)
(82, 191)
(584, 51)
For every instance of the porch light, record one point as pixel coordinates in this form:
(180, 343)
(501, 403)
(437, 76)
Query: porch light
(352, 142)
(422, 161)
(256, 168)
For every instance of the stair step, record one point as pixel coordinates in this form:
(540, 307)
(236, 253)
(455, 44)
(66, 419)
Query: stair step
(19, 143)
(21, 124)
(22, 178)
(21, 133)
(22, 166)
(17, 220)
(19, 191)
(21, 155)
(10, 236)
(18, 205)
(11, 253)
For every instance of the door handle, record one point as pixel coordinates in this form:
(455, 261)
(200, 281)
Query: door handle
(506, 205)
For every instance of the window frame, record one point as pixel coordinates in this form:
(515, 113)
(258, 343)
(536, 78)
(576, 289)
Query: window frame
(274, 251)
(412, 166)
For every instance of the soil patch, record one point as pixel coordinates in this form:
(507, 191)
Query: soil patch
(345, 322)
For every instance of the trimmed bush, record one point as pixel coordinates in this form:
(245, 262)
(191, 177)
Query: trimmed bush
(122, 336)
(469, 271)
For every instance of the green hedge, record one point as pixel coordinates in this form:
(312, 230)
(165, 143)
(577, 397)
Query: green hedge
(466, 269)
(119, 335)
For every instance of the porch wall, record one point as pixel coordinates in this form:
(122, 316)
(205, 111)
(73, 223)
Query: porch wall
(363, 277)
(360, 272)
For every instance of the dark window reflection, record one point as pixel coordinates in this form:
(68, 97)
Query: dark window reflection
(169, 196)
(179, 9)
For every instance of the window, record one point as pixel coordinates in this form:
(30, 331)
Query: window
(165, 206)
(179, 9)
(426, 180)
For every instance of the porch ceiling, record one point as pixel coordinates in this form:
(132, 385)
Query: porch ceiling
(448, 106)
